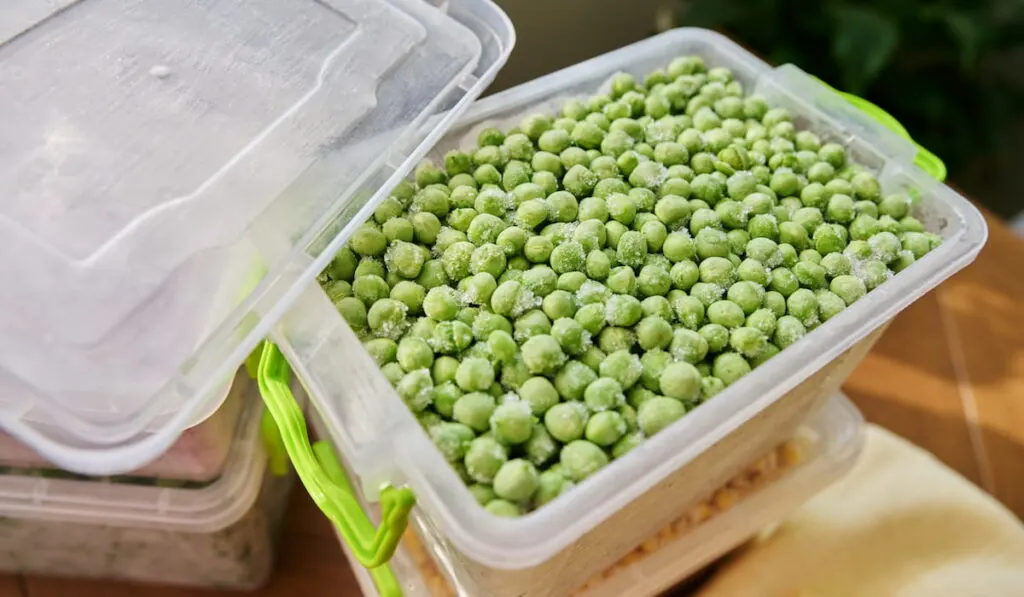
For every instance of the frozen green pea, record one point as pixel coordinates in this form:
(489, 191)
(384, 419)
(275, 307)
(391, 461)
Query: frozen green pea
(572, 380)
(445, 395)
(752, 270)
(370, 289)
(849, 288)
(488, 258)
(673, 211)
(452, 440)
(658, 413)
(730, 367)
(570, 335)
(534, 125)
(457, 259)
(368, 242)
(623, 367)
(382, 350)
(688, 346)
(486, 323)
(621, 280)
(503, 509)
(511, 299)
(410, 294)
(581, 458)
(514, 374)
(603, 394)
(783, 281)
(653, 332)
(540, 394)
(492, 201)
(811, 275)
(426, 227)
(397, 229)
(681, 381)
(451, 337)
(566, 421)
(567, 257)
(631, 249)
(627, 443)
(829, 304)
(387, 318)
(623, 310)
(414, 353)
(512, 422)
(865, 208)
(716, 338)
(479, 288)
(794, 234)
(591, 317)
(416, 388)
(702, 217)
(621, 208)
(442, 303)
(707, 293)
(673, 185)
(485, 228)
(711, 242)
(423, 327)
(746, 295)
(597, 265)
(543, 354)
(726, 313)
(763, 226)
(606, 168)
(689, 311)
(834, 154)
(657, 306)
(917, 243)
(836, 264)
(464, 196)
(592, 358)
(540, 447)
(563, 206)
(559, 304)
(763, 320)
(483, 494)
(840, 209)
(749, 342)
(775, 301)
(550, 486)
(443, 370)
(679, 246)
(717, 270)
(648, 175)
(540, 280)
(532, 213)
(516, 480)
(866, 187)
(432, 200)
(343, 266)
(653, 280)
(788, 254)
(605, 428)
(885, 246)
(474, 410)
(393, 372)
(895, 206)
(340, 289)
(538, 249)
(579, 181)
(475, 375)
(652, 363)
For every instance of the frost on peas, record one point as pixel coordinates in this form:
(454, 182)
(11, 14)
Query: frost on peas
(566, 421)
(582, 458)
(623, 367)
(688, 346)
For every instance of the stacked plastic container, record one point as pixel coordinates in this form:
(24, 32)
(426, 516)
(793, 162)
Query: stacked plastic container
(556, 549)
(174, 175)
(177, 174)
(219, 533)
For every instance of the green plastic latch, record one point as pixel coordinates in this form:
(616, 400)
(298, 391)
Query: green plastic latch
(371, 547)
(925, 160)
(383, 577)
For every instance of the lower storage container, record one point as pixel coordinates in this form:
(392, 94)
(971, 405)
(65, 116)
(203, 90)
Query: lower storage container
(218, 534)
(199, 454)
(824, 447)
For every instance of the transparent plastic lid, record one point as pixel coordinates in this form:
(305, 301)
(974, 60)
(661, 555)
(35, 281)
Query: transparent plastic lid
(174, 172)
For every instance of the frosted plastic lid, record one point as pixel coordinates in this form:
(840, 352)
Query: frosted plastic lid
(174, 172)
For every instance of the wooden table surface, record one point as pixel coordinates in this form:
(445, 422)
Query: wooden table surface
(947, 375)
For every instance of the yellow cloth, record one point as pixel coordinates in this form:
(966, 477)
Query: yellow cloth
(901, 524)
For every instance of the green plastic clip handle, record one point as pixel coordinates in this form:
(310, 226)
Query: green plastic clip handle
(925, 160)
(383, 577)
(371, 547)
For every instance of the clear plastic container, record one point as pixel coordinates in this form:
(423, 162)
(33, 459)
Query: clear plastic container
(556, 548)
(199, 454)
(824, 449)
(219, 534)
(176, 173)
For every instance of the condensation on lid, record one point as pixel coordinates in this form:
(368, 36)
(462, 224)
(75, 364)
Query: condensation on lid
(173, 171)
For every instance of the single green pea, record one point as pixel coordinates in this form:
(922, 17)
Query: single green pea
(730, 367)
(382, 350)
(623, 367)
(811, 275)
(570, 335)
(582, 458)
(484, 457)
(566, 421)
(503, 508)
(658, 413)
(516, 480)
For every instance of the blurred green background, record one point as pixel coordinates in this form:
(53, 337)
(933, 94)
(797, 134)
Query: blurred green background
(952, 71)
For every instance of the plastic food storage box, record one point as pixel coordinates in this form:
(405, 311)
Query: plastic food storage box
(825, 447)
(199, 454)
(555, 549)
(220, 534)
(175, 173)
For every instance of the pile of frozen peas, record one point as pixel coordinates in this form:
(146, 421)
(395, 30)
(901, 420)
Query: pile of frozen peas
(576, 284)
